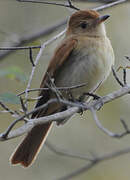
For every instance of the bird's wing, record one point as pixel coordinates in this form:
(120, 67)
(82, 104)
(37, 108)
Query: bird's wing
(60, 56)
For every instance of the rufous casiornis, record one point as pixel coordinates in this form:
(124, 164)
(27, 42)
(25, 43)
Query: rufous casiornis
(85, 55)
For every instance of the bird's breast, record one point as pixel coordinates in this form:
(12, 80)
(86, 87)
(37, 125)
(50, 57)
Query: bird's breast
(89, 63)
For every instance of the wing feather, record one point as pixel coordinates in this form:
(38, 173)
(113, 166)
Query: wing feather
(60, 56)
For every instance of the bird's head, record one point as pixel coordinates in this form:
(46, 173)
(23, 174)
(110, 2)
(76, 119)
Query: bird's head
(88, 23)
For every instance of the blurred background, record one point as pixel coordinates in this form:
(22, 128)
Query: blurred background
(80, 134)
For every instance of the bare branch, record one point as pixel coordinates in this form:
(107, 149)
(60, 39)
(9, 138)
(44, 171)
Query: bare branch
(31, 56)
(33, 122)
(22, 105)
(124, 76)
(58, 88)
(116, 77)
(61, 115)
(46, 31)
(4, 136)
(14, 113)
(106, 131)
(75, 8)
(70, 5)
(110, 97)
(55, 117)
(31, 37)
(37, 60)
(106, 6)
(96, 161)
(93, 105)
(99, 125)
(63, 152)
(19, 48)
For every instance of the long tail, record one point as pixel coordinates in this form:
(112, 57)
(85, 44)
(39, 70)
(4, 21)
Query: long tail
(29, 148)
(27, 151)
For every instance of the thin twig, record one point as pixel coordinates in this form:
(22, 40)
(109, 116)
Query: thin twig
(70, 5)
(63, 152)
(96, 161)
(37, 60)
(106, 131)
(125, 126)
(31, 37)
(73, 7)
(46, 31)
(99, 125)
(4, 135)
(51, 85)
(55, 117)
(116, 77)
(58, 88)
(14, 113)
(22, 105)
(124, 76)
(19, 48)
(8, 134)
(106, 6)
(31, 57)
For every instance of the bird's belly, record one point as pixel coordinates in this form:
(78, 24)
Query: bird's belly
(89, 68)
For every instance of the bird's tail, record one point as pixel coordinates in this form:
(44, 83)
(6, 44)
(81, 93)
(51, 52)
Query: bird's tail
(30, 146)
(27, 151)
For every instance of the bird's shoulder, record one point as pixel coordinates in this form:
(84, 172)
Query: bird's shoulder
(60, 55)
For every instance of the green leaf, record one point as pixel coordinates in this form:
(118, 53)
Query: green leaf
(13, 73)
(9, 98)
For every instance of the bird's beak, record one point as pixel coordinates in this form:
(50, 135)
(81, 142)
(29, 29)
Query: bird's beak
(102, 18)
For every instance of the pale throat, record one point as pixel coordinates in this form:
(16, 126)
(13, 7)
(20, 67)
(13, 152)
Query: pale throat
(99, 31)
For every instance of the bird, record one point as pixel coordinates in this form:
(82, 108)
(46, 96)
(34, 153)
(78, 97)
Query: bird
(85, 55)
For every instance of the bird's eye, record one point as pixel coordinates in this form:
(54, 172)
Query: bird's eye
(83, 25)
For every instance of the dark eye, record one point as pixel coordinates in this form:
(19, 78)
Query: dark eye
(83, 25)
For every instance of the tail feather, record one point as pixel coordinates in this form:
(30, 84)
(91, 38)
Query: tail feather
(27, 151)
(29, 148)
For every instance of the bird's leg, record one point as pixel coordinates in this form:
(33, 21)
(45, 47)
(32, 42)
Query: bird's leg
(83, 96)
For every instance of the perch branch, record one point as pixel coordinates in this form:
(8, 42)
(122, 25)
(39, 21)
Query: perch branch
(96, 104)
